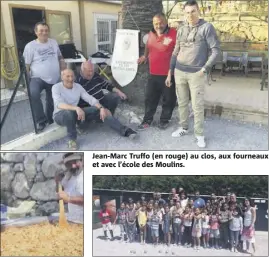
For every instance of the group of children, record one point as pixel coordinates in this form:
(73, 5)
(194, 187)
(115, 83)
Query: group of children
(217, 225)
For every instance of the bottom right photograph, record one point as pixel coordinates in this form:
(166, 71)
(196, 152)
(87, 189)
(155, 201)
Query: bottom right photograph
(162, 215)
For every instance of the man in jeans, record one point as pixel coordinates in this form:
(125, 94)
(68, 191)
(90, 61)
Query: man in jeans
(43, 61)
(66, 96)
(197, 48)
(158, 50)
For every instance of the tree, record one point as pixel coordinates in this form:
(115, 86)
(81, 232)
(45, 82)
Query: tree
(139, 13)
(251, 186)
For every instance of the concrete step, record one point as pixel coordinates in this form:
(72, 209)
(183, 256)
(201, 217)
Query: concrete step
(239, 113)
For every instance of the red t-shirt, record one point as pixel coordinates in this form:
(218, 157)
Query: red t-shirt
(105, 216)
(160, 51)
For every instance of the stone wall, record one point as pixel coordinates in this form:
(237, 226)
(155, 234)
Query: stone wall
(235, 21)
(27, 177)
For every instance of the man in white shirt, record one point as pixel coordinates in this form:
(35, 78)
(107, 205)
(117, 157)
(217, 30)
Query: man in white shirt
(72, 184)
(43, 60)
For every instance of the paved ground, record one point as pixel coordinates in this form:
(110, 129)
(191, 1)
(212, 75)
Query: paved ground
(232, 91)
(116, 248)
(238, 92)
(222, 135)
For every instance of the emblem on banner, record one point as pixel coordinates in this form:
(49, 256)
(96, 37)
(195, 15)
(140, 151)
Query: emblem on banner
(126, 43)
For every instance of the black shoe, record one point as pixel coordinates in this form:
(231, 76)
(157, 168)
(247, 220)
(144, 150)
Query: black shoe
(143, 125)
(131, 134)
(41, 126)
(163, 124)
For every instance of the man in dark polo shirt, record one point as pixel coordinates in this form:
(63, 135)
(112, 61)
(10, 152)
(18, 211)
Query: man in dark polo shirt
(158, 50)
(94, 84)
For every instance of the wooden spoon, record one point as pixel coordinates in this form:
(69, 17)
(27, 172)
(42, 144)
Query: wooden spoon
(62, 219)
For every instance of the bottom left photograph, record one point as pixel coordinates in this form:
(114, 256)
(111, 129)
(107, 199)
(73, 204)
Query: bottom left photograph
(42, 204)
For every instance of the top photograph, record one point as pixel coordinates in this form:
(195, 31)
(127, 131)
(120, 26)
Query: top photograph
(134, 75)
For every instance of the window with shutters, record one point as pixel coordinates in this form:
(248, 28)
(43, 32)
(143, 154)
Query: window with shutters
(105, 31)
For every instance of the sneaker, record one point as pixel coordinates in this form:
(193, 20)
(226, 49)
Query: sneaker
(131, 134)
(163, 124)
(143, 125)
(72, 145)
(179, 132)
(201, 141)
(235, 250)
(41, 126)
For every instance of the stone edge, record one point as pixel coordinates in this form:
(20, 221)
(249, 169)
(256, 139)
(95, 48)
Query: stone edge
(33, 142)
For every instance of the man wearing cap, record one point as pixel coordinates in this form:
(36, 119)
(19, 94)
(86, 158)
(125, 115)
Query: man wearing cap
(72, 182)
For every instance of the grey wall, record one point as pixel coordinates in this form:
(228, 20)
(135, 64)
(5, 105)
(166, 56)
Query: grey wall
(30, 177)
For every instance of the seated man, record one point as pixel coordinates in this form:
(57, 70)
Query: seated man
(66, 96)
(94, 84)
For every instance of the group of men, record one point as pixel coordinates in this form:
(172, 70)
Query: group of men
(178, 60)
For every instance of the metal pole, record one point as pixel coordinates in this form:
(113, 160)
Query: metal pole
(11, 100)
(29, 93)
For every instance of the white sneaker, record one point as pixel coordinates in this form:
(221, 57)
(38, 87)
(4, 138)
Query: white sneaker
(201, 141)
(179, 132)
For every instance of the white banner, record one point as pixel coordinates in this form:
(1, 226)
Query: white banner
(125, 55)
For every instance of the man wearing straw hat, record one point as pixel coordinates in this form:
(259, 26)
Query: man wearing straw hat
(72, 182)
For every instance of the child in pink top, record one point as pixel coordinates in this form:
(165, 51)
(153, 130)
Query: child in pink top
(214, 228)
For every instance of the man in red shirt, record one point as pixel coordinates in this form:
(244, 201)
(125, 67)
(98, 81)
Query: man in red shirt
(159, 48)
(105, 217)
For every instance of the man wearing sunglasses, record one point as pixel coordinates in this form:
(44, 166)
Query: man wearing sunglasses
(72, 182)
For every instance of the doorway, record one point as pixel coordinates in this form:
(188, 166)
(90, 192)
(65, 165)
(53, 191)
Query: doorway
(24, 22)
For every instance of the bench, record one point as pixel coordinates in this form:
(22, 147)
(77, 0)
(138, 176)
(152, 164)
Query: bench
(264, 82)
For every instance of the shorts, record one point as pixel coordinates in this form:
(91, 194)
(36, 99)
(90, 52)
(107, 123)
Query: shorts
(205, 231)
(154, 232)
(196, 232)
(107, 226)
(167, 229)
(214, 233)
